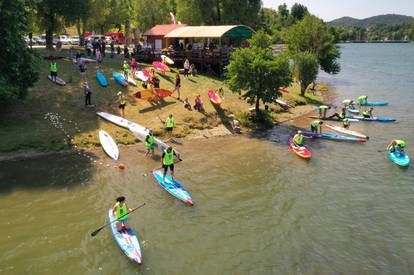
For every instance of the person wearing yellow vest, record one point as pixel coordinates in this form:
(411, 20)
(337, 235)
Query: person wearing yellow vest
(340, 115)
(122, 103)
(53, 70)
(167, 161)
(169, 123)
(348, 103)
(150, 143)
(315, 125)
(323, 108)
(398, 145)
(362, 100)
(346, 123)
(120, 209)
(367, 113)
(298, 139)
(125, 67)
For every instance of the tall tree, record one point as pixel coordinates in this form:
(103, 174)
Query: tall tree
(311, 34)
(240, 12)
(256, 73)
(146, 16)
(18, 65)
(298, 11)
(305, 69)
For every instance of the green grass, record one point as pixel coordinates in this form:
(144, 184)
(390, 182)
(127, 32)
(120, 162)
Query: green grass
(23, 126)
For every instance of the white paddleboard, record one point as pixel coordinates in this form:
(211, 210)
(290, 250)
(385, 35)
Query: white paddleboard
(140, 75)
(108, 144)
(59, 81)
(167, 60)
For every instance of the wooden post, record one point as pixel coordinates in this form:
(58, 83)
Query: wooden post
(127, 31)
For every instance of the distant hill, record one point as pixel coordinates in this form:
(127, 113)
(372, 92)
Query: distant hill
(387, 19)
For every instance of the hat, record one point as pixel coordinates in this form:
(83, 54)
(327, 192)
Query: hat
(119, 93)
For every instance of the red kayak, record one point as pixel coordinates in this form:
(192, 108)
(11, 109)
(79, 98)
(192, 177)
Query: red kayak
(301, 151)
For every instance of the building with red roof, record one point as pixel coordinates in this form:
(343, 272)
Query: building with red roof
(156, 35)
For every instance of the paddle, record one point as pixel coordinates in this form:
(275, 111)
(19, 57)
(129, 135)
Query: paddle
(94, 233)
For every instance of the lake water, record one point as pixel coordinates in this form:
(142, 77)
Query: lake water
(259, 209)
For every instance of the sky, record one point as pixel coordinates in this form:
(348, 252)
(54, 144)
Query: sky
(333, 9)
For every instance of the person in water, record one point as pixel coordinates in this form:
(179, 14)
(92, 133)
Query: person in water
(340, 115)
(346, 123)
(120, 210)
(367, 113)
(315, 125)
(397, 145)
(298, 139)
(167, 161)
(363, 100)
(323, 109)
(150, 143)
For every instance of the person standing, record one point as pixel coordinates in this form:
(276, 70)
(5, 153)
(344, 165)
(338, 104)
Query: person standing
(87, 92)
(103, 48)
(82, 69)
(53, 70)
(186, 67)
(322, 109)
(98, 59)
(315, 125)
(177, 84)
(120, 210)
(150, 143)
(167, 161)
(170, 126)
(125, 67)
(134, 66)
(121, 103)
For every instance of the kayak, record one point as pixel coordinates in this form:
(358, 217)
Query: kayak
(120, 79)
(375, 103)
(346, 131)
(101, 79)
(167, 60)
(127, 241)
(401, 160)
(331, 136)
(301, 151)
(160, 66)
(140, 76)
(59, 81)
(108, 144)
(333, 119)
(377, 119)
(137, 130)
(282, 104)
(214, 97)
(174, 188)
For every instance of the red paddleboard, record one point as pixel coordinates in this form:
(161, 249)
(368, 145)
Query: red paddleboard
(283, 90)
(163, 92)
(214, 97)
(301, 151)
(147, 74)
(160, 66)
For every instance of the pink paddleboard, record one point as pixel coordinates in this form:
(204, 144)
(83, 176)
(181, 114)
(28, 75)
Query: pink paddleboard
(160, 66)
(214, 97)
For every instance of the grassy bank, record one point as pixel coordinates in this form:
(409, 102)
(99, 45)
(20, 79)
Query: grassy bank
(23, 127)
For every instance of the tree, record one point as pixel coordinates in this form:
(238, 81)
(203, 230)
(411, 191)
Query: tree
(18, 65)
(240, 12)
(311, 34)
(256, 73)
(305, 69)
(298, 11)
(147, 16)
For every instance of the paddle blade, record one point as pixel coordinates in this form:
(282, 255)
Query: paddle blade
(94, 233)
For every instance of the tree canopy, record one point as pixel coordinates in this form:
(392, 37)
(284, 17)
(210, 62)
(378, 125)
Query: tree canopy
(305, 69)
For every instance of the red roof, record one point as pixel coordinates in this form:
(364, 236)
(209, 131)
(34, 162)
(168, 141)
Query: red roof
(161, 30)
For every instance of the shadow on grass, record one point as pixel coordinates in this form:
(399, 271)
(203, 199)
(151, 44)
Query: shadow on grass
(312, 100)
(166, 77)
(156, 106)
(226, 121)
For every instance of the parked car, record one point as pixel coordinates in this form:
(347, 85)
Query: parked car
(95, 37)
(64, 39)
(108, 39)
(74, 40)
(40, 40)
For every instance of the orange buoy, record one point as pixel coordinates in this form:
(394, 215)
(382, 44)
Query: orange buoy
(121, 166)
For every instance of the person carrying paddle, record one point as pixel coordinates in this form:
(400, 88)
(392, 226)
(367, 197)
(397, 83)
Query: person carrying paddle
(125, 67)
(167, 161)
(362, 100)
(150, 143)
(315, 125)
(169, 123)
(120, 210)
(367, 113)
(53, 70)
(397, 145)
(323, 108)
(346, 123)
(122, 103)
(340, 115)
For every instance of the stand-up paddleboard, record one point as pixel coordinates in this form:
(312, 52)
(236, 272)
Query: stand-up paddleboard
(401, 160)
(346, 131)
(153, 94)
(333, 118)
(120, 79)
(282, 104)
(101, 79)
(117, 120)
(147, 74)
(174, 188)
(331, 136)
(130, 80)
(353, 110)
(87, 60)
(140, 76)
(167, 60)
(108, 144)
(377, 119)
(283, 90)
(59, 81)
(127, 241)
(160, 66)
(214, 97)
(374, 103)
(301, 151)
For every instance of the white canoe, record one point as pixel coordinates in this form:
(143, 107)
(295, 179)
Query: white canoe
(167, 60)
(346, 131)
(108, 144)
(140, 76)
(59, 81)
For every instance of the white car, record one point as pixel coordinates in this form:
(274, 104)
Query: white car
(74, 40)
(64, 39)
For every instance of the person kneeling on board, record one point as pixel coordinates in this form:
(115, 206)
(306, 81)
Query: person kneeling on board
(367, 113)
(397, 145)
(323, 108)
(167, 161)
(120, 210)
(362, 100)
(315, 125)
(340, 115)
(346, 123)
(150, 143)
(298, 139)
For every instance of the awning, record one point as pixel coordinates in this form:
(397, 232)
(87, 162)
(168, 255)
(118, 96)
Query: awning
(233, 31)
(161, 30)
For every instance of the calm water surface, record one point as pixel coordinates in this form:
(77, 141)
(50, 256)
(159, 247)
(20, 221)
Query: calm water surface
(259, 209)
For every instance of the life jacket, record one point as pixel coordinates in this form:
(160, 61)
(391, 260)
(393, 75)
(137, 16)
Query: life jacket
(150, 139)
(298, 138)
(362, 98)
(53, 67)
(347, 102)
(400, 143)
(168, 157)
(342, 115)
(170, 122)
(323, 107)
(366, 113)
(315, 123)
(121, 210)
(346, 122)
